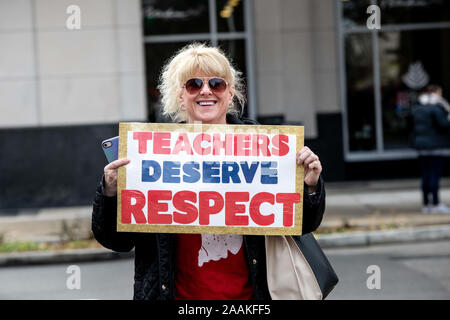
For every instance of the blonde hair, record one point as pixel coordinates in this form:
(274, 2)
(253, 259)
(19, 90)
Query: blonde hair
(186, 64)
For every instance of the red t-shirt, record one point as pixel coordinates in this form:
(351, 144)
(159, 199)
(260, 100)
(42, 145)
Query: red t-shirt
(211, 267)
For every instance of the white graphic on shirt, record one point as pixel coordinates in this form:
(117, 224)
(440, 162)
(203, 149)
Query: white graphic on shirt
(216, 246)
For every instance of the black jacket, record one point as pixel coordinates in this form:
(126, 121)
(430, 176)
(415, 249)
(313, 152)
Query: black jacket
(155, 253)
(431, 128)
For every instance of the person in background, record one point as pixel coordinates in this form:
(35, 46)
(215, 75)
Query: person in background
(433, 95)
(431, 132)
(200, 85)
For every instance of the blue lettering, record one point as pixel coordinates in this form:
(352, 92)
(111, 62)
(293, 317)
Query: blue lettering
(210, 169)
(191, 170)
(233, 173)
(269, 172)
(146, 176)
(171, 172)
(249, 172)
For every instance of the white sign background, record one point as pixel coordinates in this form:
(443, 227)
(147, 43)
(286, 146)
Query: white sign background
(287, 171)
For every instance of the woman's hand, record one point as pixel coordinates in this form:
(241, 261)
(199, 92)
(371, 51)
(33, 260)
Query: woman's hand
(312, 166)
(111, 176)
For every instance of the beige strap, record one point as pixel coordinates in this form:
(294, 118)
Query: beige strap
(289, 275)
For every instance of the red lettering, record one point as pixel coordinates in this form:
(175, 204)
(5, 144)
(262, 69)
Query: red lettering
(209, 202)
(288, 200)
(136, 209)
(142, 138)
(180, 203)
(155, 206)
(239, 144)
(260, 143)
(197, 144)
(280, 145)
(182, 144)
(255, 204)
(205, 210)
(232, 208)
(226, 144)
(161, 143)
(242, 144)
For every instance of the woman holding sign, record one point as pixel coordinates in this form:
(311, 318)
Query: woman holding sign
(199, 85)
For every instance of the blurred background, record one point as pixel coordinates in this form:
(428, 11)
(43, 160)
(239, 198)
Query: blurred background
(63, 90)
(313, 63)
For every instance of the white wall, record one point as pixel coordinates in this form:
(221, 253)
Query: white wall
(326, 59)
(296, 57)
(50, 75)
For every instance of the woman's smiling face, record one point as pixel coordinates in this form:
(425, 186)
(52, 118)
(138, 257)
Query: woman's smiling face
(207, 105)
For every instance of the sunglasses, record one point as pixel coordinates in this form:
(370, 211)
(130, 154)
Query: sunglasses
(217, 85)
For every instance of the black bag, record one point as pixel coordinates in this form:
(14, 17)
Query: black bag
(324, 272)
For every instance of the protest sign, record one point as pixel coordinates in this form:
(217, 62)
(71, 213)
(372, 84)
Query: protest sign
(197, 178)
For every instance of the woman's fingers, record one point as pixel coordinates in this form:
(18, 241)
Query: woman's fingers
(310, 161)
(117, 164)
(302, 155)
(305, 156)
(111, 176)
(315, 165)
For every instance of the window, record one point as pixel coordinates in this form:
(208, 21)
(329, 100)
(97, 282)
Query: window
(360, 94)
(408, 61)
(171, 24)
(415, 11)
(162, 17)
(384, 70)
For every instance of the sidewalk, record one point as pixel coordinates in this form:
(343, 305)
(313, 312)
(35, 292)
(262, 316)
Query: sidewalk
(380, 204)
(357, 213)
(381, 212)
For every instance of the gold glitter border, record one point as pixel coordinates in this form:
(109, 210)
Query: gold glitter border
(124, 127)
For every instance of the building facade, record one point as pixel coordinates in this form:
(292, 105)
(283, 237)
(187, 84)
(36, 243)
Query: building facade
(349, 71)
